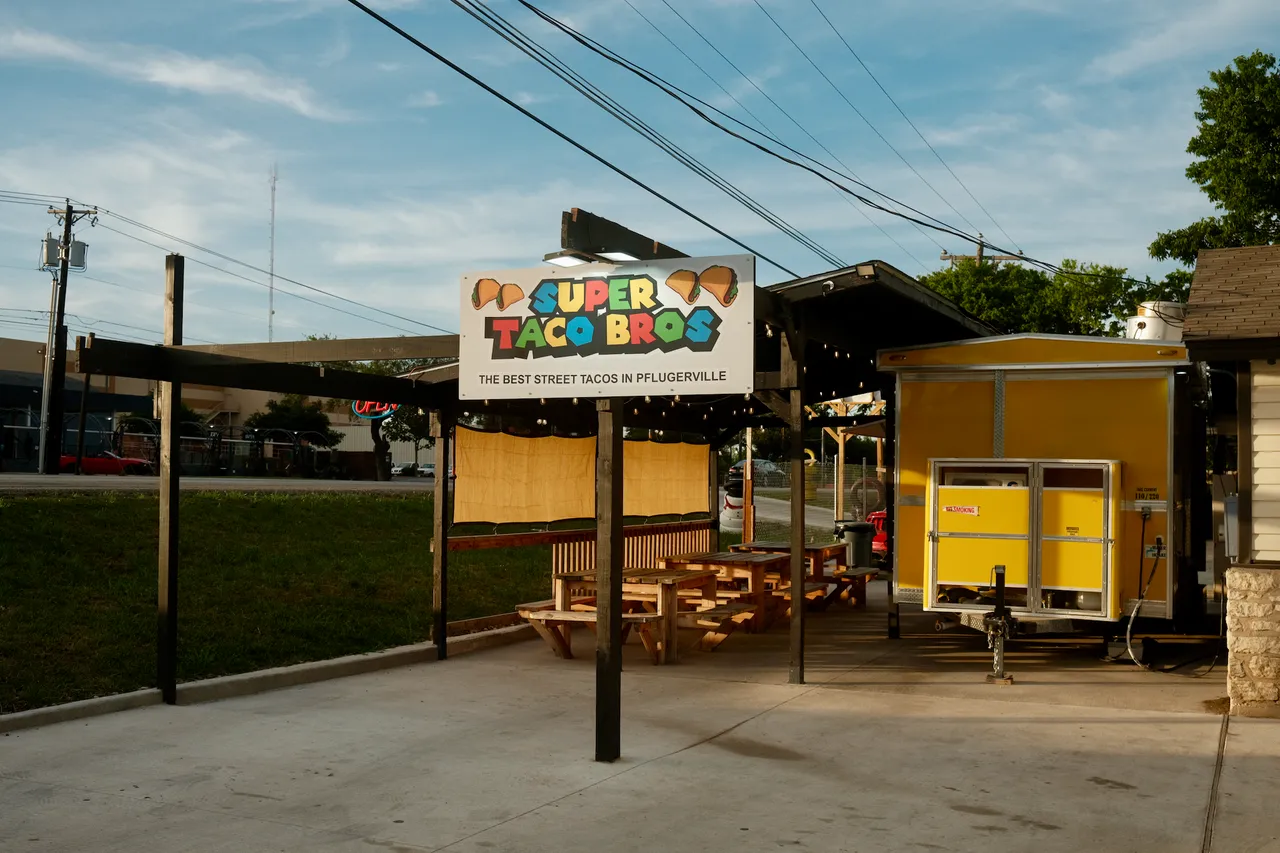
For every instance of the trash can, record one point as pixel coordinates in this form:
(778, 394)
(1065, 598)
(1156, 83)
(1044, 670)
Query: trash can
(858, 536)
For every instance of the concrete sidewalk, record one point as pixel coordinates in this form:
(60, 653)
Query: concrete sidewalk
(893, 747)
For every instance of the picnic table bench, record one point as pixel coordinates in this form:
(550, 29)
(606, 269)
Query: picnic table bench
(842, 579)
(660, 589)
(555, 626)
(731, 566)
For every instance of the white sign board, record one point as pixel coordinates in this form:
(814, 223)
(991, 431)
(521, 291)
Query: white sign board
(680, 326)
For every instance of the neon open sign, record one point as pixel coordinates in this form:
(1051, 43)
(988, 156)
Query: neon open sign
(373, 411)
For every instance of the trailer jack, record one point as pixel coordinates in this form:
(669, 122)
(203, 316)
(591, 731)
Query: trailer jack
(1000, 626)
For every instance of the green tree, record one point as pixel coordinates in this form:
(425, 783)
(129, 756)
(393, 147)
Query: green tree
(1080, 299)
(410, 424)
(296, 413)
(190, 421)
(1238, 144)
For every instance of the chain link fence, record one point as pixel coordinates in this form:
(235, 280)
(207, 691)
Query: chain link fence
(862, 489)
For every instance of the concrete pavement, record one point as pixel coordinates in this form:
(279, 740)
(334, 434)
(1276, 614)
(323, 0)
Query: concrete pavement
(893, 746)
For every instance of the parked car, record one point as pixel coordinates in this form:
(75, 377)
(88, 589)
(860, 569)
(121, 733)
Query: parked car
(763, 473)
(731, 510)
(404, 469)
(427, 469)
(106, 462)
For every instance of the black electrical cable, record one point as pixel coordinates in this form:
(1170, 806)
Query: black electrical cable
(862, 116)
(908, 120)
(688, 100)
(279, 277)
(768, 129)
(514, 36)
(561, 134)
(297, 296)
(775, 104)
(676, 93)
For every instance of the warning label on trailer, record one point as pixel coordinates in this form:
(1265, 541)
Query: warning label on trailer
(1144, 494)
(961, 510)
(1073, 531)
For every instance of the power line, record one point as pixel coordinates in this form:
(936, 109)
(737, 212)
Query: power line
(776, 106)
(860, 114)
(95, 321)
(258, 269)
(944, 163)
(688, 100)
(514, 36)
(769, 130)
(230, 259)
(298, 296)
(695, 64)
(561, 134)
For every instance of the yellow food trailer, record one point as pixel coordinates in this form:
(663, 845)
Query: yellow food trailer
(1052, 456)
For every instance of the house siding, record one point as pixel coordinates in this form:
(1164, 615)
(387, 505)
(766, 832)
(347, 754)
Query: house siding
(1265, 491)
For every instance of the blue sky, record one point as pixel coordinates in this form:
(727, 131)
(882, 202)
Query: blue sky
(1068, 120)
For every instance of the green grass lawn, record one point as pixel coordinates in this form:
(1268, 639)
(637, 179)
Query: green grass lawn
(265, 580)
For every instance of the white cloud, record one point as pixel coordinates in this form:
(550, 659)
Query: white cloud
(1196, 29)
(244, 78)
(425, 100)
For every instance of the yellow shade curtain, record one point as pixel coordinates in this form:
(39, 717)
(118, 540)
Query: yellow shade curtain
(508, 478)
(505, 478)
(664, 478)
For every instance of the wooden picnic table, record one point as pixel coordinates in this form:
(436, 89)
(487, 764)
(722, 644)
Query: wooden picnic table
(660, 587)
(817, 555)
(735, 565)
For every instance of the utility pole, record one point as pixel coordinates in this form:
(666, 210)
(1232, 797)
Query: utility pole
(271, 267)
(55, 362)
(980, 257)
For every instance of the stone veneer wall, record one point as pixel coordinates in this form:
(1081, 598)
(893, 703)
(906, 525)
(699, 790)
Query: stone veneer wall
(1253, 641)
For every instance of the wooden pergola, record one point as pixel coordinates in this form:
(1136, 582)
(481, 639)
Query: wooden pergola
(815, 340)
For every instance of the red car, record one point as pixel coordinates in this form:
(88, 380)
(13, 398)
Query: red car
(107, 462)
(880, 543)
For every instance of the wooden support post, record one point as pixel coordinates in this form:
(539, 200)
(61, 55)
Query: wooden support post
(84, 412)
(442, 431)
(798, 566)
(839, 478)
(170, 394)
(713, 492)
(793, 376)
(609, 555)
(889, 448)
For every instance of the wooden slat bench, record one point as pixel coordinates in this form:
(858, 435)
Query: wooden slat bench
(716, 623)
(555, 626)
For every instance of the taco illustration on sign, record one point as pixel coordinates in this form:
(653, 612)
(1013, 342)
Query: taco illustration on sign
(509, 295)
(721, 282)
(685, 283)
(485, 291)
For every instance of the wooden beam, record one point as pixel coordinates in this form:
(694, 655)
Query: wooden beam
(351, 349)
(609, 557)
(442, 431)
(173, 364)
(170, 394)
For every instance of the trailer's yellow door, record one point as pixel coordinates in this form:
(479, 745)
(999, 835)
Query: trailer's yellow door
(1073, 536)
(980, 518)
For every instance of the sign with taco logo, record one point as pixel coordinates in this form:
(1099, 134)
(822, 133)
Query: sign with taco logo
(680, 326)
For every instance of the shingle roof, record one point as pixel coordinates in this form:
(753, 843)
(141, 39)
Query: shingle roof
(1235, 295)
